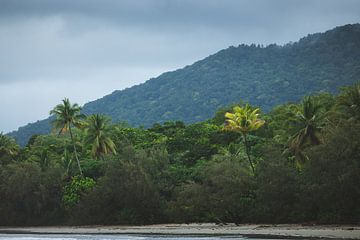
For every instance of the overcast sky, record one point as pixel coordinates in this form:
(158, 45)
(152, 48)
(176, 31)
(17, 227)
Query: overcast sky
(85, 49)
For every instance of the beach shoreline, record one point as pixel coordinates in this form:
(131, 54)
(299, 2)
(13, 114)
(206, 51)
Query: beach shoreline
(205, 229)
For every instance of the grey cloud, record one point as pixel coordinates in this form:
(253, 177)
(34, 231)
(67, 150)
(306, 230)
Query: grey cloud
(96, 46)
(169, 12)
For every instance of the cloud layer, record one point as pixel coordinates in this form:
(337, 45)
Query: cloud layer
(85, 49)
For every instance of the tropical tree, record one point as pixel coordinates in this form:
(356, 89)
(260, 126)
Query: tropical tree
(68, 115)
(98, 135)
(349, 101)
(309, 121)
(9, 149)
(66, 162)
(244, 120)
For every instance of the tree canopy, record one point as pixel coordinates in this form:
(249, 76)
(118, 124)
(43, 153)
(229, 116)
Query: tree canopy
(177, 172)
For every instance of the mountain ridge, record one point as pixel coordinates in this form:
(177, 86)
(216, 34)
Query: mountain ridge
(264, 76)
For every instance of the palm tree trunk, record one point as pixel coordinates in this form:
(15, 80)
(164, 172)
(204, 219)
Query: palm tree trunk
(247, 150)
(76, 156)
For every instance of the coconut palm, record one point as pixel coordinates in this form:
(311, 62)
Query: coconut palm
(349, 101)
(244, 120)
(98, 136)
(68, 115)
(309, 120)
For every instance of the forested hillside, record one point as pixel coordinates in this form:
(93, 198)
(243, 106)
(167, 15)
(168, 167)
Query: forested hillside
(262, 76)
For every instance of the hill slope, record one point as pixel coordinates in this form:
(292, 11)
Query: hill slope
(264, 76)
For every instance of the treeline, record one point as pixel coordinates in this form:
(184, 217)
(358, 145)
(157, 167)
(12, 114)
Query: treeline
(300, 163)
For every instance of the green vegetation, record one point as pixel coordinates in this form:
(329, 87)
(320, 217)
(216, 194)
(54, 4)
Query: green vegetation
(74, 190)
(309, 120)
(299, 163)
(263, 76)
(244, 120)
(98, 136)
(66, 116)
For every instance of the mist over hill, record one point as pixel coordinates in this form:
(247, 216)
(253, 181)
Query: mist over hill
(263, 76)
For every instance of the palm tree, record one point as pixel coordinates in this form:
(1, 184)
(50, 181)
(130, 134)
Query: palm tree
(8, 147)
(66, 116)
(244, 120)
(309, 119)
(349, 101)
(98, 136)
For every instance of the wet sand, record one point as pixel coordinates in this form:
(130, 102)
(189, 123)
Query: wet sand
(296, 231)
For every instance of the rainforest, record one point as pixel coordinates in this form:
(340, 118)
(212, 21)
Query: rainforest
(297, 163)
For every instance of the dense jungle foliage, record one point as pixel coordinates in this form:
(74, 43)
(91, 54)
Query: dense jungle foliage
(305, 158)
(263, 76)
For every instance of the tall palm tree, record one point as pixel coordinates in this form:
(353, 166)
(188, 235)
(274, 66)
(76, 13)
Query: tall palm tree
(98, 136)
(244, 120)
(66, 116)
(309, 120)
(349, 101)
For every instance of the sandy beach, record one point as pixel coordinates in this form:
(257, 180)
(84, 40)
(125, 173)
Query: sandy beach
(328, 231)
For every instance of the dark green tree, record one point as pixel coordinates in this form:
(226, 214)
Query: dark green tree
(97, 135)
(349, 101)
(8, 148)
(309, 121)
